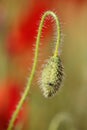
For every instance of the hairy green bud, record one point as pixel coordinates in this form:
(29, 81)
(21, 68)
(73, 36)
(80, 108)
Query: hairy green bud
(52, 76)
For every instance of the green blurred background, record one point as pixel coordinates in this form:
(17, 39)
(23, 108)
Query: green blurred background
(19, 22)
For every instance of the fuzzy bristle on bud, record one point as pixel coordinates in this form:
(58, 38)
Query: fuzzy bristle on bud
(52, 76)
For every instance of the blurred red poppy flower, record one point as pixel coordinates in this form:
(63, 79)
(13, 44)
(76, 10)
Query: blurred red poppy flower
(23, 32)
(9, 97)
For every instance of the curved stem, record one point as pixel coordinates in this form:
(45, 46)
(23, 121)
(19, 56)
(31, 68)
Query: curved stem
(15, 114)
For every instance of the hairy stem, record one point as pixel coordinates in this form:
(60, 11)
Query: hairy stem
(25, 94)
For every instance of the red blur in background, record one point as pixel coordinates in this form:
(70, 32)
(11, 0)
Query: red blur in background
(22, 35)
(9, 98)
